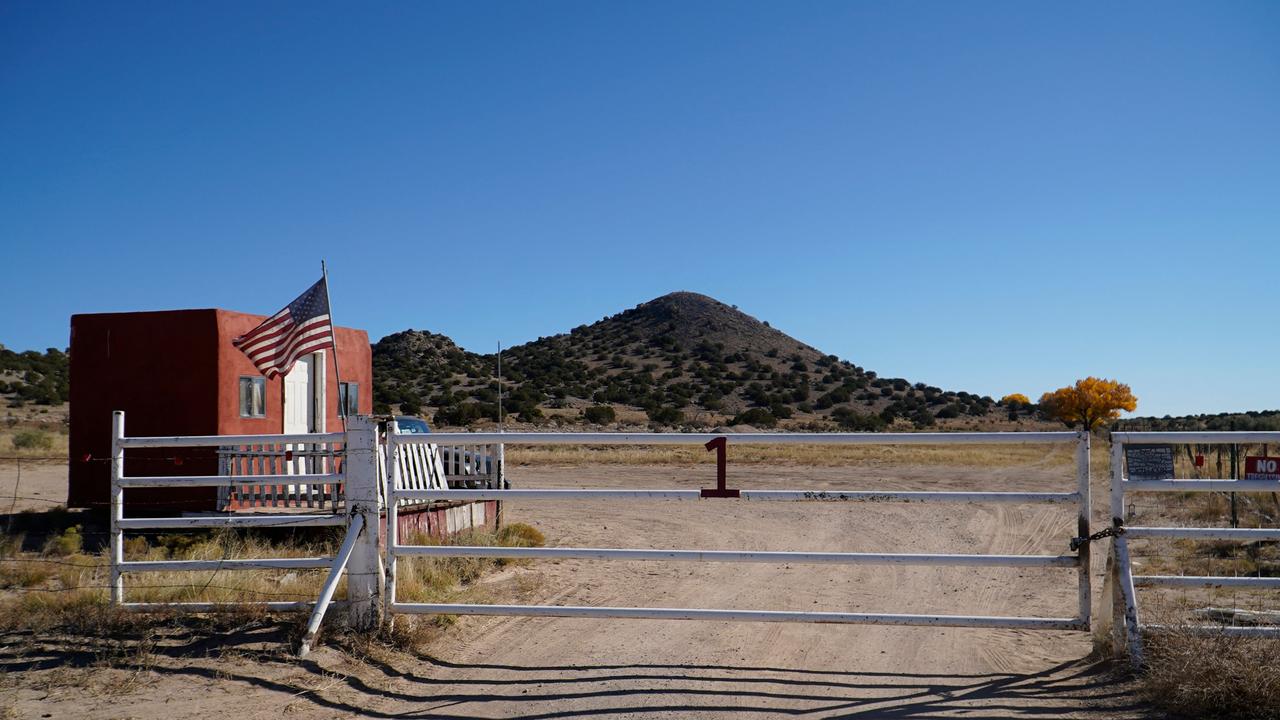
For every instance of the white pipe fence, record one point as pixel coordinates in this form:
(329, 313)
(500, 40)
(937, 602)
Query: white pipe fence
(875, 496)
(357, 476)
(1120, 591)
(397, 493)
(416, 469)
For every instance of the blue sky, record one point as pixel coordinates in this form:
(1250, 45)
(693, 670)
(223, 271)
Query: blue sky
(993, 197)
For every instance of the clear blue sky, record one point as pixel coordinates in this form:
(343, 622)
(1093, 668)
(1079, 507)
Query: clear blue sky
(986, 196)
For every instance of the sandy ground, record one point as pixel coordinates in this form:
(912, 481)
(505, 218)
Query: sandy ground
(32, 485)
(547, 668)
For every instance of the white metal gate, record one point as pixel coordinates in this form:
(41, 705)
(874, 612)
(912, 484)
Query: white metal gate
(357, 510)
(1120, 591)
(356, 465)
(1078, 495)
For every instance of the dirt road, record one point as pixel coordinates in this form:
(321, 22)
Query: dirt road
(559, 667)
(545, 668)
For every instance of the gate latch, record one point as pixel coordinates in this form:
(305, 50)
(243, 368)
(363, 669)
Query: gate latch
(1116, 531)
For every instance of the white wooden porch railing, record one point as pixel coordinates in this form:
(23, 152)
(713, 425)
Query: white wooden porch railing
(422, 467)
(420, 470)
(276, 459)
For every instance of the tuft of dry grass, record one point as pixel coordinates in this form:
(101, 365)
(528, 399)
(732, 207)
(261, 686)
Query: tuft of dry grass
(34, 441)
(1212, 675)
(18, 571)
(820, 455)
(448, 579)
(520, 535)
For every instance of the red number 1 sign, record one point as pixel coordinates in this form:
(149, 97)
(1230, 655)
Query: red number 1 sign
(720, 445)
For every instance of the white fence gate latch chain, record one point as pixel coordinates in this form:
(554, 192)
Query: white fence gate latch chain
(1114, 531)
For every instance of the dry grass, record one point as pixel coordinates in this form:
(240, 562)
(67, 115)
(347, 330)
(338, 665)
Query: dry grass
(450, 579)
(53, 444)
(1212, 675)
(64, 587)
(811, 455)
(445, 580)
(227, 586)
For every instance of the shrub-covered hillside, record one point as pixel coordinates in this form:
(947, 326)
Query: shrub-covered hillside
(34, 378)
(682, 359)
(1253, 420)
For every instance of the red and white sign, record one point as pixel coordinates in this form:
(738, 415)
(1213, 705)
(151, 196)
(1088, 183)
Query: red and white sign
(1261, 468)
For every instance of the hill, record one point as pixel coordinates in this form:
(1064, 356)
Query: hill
(34, 378)
(681, 359)
(1254, 420)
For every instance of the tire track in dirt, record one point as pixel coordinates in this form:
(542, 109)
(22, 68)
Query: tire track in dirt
(711, 669)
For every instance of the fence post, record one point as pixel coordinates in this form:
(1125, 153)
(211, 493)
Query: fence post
(392, 478)
(1083, 526)
(117, 508)
(364, 572)
(1123, 598)
(500, 476)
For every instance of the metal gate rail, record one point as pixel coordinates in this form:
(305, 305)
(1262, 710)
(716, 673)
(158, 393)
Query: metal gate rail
(1079, 560)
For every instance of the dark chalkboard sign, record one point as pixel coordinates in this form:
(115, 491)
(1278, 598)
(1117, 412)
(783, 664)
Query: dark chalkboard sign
(1149, 462)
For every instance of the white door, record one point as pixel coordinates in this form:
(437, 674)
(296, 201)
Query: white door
(300, 408)
(299, 397)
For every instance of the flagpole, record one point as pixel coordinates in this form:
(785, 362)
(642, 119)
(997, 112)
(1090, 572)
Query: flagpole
(333, 336)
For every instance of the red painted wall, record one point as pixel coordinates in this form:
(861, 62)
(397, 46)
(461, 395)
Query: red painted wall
(176, 373)
(431, 520)
(355, 363)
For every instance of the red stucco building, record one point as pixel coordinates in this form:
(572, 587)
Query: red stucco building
(177, 373)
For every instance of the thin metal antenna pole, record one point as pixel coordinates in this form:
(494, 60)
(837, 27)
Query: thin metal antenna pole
(499, 387)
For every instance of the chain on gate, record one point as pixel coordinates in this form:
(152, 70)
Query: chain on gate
(1114, 531)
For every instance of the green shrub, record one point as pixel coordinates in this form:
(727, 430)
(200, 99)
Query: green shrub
(851, 420)
(755, 416)
(599, 414)
(922, 418)
(469, 412)
(665, 415)
(68, 543)
(32, 440)
(950, 411)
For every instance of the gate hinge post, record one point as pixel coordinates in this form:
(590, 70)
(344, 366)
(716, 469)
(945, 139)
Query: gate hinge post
(365, 574)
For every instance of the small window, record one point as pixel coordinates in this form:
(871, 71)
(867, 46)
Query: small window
(253, 397)
(348, 399)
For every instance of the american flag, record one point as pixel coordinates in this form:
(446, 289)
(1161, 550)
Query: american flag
(302, 327)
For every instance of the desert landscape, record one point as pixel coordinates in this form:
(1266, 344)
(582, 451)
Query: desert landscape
(573, 359)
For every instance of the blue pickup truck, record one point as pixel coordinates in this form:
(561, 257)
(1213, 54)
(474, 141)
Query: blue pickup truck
(409, 425)
(481, 463)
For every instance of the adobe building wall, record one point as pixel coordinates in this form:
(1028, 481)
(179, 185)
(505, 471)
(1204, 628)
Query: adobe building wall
(355, 362)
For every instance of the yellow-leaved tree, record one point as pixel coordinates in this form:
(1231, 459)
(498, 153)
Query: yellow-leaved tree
(1089, 403)
(1015, 400)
